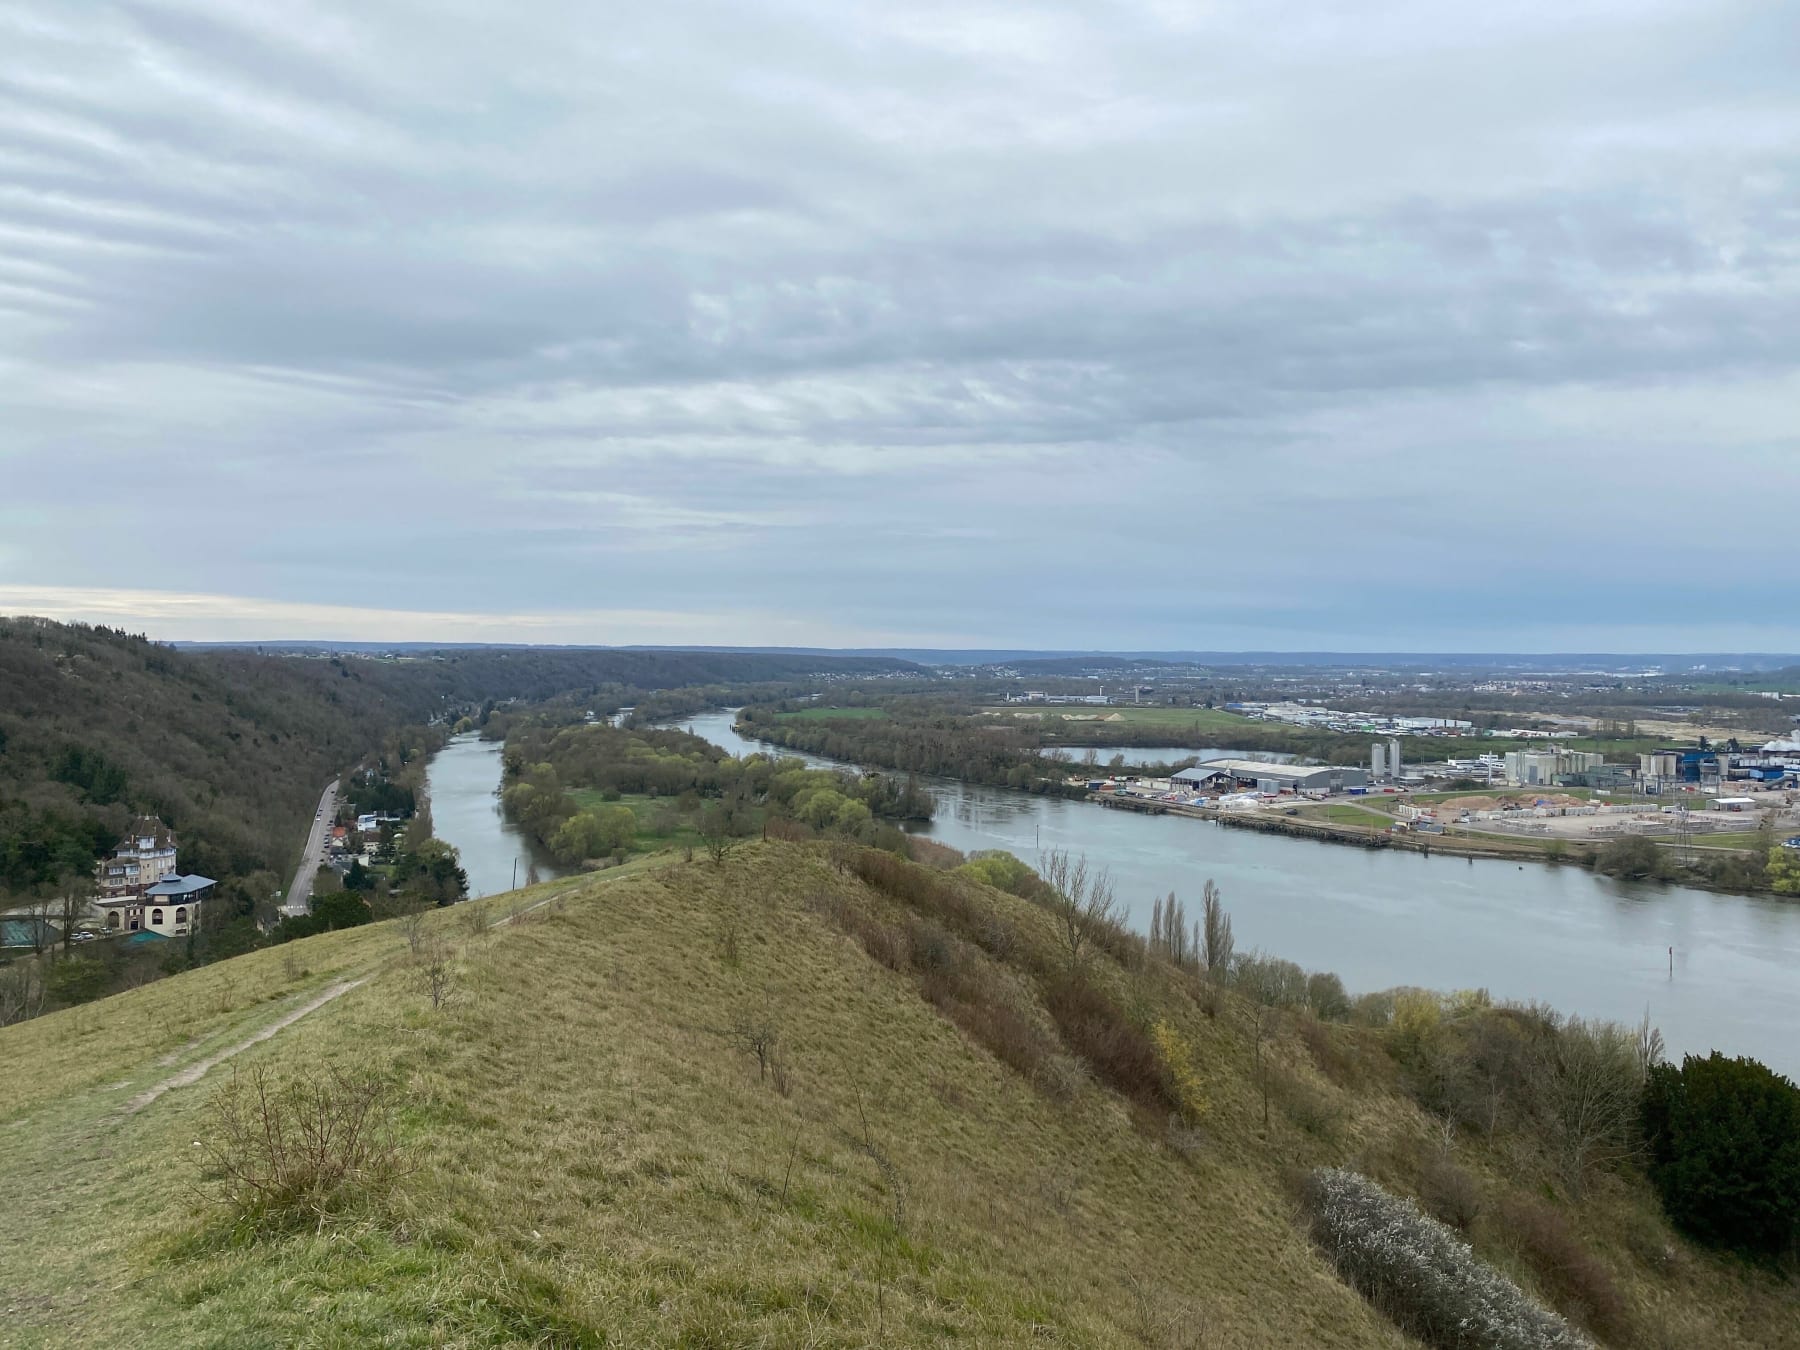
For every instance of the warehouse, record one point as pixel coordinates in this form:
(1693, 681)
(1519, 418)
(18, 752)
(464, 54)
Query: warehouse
(1268, 776)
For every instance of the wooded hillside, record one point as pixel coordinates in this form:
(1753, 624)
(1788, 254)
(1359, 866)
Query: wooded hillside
(231, 747)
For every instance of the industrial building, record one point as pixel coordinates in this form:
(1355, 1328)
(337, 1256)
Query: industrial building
(1550, 767)
(1268, 776)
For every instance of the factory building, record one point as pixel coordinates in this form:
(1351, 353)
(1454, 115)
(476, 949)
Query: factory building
(1267, 776)
(1550, 767)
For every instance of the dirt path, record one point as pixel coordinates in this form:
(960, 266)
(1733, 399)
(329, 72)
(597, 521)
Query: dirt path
(198, 1070)
(195, 1072)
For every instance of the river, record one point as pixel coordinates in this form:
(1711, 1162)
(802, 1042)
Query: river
(462, 781)
(1380, 918)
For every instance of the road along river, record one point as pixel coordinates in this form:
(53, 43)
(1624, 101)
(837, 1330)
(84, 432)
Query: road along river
(1379, 918)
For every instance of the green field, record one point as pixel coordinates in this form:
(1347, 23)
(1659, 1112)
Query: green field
(661, 823)
(833, 715)
(1742, 839)
(1341, 814)
(1204, 719)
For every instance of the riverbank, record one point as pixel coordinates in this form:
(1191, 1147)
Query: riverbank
(1381, 917)
(1374, 835)
(1450, 841)
(1349, 823)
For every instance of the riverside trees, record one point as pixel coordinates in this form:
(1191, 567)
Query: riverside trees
(569, 785)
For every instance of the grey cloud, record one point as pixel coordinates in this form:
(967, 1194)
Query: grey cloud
(808, 304)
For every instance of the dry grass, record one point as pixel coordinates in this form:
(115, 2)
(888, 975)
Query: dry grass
(593, 1155)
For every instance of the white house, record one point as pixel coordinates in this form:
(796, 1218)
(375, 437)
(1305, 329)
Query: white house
(172, 906)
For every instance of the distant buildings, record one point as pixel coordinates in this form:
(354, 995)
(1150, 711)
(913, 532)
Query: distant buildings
(1321, 718)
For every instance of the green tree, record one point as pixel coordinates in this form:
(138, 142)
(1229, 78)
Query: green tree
(1002, 871)
(77, 979)
(818, 807)
(1784, 870)
(432, 871)
(1634, 858)
(852, 818)
(341, 909)
(594, 834)
(1724, 1139)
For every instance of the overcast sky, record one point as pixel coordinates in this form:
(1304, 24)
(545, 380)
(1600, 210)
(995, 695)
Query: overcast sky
(1151, 325)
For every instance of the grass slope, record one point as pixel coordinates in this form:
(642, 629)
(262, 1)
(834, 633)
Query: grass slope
(593, 1156)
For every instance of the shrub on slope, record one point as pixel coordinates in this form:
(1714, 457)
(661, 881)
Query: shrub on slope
(1421, 1274)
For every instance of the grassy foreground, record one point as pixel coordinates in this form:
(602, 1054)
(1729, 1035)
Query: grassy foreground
(595, 1155)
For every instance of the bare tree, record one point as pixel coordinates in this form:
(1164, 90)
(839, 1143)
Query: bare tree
(75, 892)
(758, 1034)
(1215, 932)
(39, 910)
(1262, 1028)
(21, 992)
(412, 927)
(1082, 901)
(1170, 934)
(1589, 1085)
(435, 972)
(718, 831)
(1648, 1046)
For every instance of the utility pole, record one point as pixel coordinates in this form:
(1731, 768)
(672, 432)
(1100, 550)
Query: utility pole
(515, 885)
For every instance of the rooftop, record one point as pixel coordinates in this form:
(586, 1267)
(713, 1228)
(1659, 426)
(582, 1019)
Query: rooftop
(179, 886)
(1207, 768)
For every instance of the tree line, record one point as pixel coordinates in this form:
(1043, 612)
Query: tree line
(916, 736)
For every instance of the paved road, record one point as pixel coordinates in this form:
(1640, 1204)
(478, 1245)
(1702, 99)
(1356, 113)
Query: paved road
(299, 896)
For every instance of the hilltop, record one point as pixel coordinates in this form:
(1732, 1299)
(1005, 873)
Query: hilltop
(803, 1097)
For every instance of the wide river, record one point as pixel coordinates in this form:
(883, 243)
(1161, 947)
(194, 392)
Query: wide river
(463, 781)
(1582, 943)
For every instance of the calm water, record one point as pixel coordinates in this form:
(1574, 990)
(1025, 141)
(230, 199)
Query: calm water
(1582, 943)
(465, 811)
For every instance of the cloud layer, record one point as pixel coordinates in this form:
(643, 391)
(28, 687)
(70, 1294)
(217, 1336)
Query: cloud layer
(1081, 324)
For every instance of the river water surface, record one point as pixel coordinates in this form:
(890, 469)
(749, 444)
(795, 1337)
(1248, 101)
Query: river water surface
(1582, 943)
(463, 780)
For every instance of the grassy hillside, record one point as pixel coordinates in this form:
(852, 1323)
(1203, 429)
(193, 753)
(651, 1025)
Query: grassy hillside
(595, 1153)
